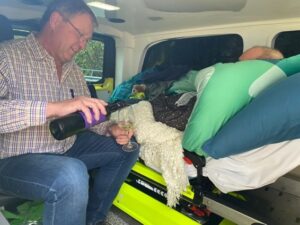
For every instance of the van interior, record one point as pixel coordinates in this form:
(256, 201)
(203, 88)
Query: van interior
(142, 34)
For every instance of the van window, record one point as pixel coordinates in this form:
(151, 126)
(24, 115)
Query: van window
(90, 61)
(97, 60)
(197, 53)
(288, 43)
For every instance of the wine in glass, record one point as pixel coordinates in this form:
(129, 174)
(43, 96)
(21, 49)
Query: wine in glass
(127, 123)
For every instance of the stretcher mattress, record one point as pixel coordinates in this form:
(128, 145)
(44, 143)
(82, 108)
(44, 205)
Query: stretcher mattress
(255, 168)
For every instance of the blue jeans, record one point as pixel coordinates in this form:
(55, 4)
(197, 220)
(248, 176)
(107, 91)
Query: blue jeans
(62, 181)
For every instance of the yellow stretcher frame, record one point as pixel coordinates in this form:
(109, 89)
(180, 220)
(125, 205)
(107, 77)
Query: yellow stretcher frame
(148, 210)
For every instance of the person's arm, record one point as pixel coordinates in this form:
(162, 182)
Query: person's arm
(17, 114)
(80, 103)
(20, 114)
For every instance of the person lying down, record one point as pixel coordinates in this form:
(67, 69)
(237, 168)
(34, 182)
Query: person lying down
(161, 150)
(263, 164)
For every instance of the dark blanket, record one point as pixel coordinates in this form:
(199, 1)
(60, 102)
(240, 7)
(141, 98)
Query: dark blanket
(165, 111)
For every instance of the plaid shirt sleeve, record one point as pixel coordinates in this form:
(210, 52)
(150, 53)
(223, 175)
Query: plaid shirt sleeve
(17, 114)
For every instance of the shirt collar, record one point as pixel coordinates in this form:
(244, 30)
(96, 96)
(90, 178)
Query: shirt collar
(37, 49)
(40, 52)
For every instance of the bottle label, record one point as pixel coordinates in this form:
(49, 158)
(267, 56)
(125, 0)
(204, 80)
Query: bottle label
(102, 118)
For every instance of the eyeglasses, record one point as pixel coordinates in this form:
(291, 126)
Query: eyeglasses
(79, 33)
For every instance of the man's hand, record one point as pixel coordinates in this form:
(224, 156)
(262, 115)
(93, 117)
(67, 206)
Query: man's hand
(121, 135)
(80, 103)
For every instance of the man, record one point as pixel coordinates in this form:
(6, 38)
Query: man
(37, 79)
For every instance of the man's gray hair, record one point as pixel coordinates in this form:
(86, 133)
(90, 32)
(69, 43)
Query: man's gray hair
(68, 8)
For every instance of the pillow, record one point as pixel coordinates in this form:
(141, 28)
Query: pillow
(272, 117)
(230, 88)
(184, 84)
(290, 65)
(193, 81)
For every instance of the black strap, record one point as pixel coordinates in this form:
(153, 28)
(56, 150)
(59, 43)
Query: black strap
(197, 183)
(197, 160)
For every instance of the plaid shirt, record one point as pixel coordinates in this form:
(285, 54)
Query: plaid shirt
(28, 80)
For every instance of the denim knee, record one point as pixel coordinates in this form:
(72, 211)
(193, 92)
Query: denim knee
(71, 182)
(133, 156)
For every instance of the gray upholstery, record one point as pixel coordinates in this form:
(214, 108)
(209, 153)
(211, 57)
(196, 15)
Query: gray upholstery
(6, 30)
(6, 33)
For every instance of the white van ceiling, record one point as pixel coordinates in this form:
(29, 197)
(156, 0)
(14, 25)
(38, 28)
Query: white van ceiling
(148, 16)
(195, 5)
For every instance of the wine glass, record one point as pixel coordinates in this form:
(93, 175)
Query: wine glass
(127, 123)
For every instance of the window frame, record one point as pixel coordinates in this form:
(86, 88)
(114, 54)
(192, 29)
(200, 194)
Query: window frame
(291, 46)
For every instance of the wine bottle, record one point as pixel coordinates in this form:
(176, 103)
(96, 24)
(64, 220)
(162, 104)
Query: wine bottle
(71, 124)
(64, 127)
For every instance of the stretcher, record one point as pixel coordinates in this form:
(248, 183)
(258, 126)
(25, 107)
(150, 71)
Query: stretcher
(143, 197)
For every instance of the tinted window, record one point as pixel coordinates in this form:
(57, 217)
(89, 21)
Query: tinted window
(197, 53)
(90, 61)
(288, 43)
(97, 60)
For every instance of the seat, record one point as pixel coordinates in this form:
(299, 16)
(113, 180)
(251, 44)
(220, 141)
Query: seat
(6, 33)
(6, 30)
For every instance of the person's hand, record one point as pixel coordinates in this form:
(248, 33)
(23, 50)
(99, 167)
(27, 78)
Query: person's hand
(80, 103)
(121, 135)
